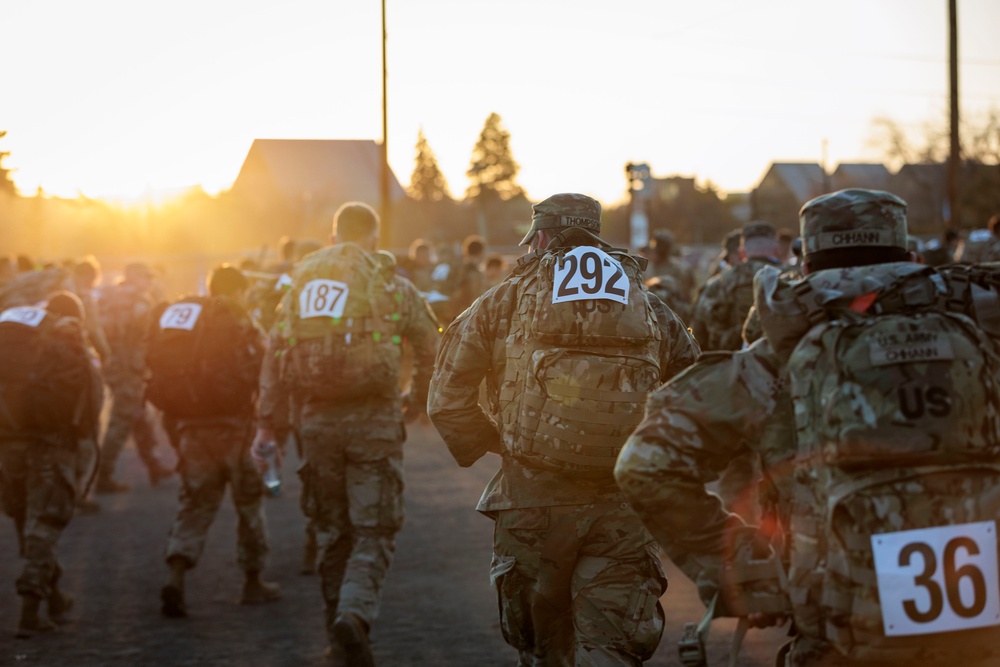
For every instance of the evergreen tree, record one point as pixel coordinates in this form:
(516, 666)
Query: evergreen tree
(427, 182)
(6, 184)
(493, 170)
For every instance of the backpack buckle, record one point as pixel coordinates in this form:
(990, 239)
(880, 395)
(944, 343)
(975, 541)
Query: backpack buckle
(691, 647)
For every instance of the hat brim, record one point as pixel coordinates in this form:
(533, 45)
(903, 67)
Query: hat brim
(527, 237)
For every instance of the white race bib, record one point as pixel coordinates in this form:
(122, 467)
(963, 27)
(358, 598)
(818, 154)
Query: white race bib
(180, 316)
(938, 579)
(589, 273)
(323, 298)
(26, 315)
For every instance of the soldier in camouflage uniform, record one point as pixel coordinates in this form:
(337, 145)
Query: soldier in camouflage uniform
(664, 263)
(214, 453)
(717, 324)
(577, 577)
(38, 464)
(125, 310)
(337, 347)
(725, 301)
(728, 405)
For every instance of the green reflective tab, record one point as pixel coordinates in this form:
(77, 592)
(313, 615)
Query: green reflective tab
(397, 339)
(377, 336)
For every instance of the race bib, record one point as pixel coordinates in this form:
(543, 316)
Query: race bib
(26, 315)
(938, 579)
(323, 298)
(180, 316)
(589, 273)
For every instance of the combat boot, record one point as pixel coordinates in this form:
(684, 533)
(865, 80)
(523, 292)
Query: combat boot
(258, 591)
(30, 623)
(352, 635)
(172, 594)
(59, 603)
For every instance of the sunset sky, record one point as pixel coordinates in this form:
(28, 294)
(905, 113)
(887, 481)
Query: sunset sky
(118, 97)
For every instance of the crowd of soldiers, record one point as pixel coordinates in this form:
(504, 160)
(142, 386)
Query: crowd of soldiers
(812, 435)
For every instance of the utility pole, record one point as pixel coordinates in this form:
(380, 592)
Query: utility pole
(954, 158)
(386, 202)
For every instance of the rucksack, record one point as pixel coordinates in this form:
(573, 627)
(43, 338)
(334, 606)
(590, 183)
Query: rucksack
(893, 551)
(341, 324)
(44, 375)
(581, 356)
(34, 287)
(204, 357)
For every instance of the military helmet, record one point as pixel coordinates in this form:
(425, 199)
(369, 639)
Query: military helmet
(565, 210)
(853, 218)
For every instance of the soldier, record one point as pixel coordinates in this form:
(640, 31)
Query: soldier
(338, 347)
(125, 309)
(869, 381)
(569, 345)
(664, 263)
(50, 400)
(725, 301)
(204, 356)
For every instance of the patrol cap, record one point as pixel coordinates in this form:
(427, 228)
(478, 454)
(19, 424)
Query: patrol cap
(565, 210)
(759, 228)
(65, 304)
(853, 218)
(227, 279)
(134, 270)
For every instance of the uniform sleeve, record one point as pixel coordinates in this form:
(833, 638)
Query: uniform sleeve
(694, 425)
(273, 393)
(453, 400)
(701, 319)
(422, 330)
(679, 348)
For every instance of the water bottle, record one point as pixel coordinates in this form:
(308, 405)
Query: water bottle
(272, 475)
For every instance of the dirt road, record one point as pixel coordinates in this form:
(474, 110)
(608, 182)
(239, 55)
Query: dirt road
(438, 607)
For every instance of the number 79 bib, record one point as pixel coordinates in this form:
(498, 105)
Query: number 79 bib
(938, 579)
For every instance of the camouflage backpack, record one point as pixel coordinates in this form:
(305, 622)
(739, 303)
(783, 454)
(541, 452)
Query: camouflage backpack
(893, 552)
(582, 354)
(732, 305)
(203, 358)
(125, 317)
(341, 325)
(34, 287)
(44, 379)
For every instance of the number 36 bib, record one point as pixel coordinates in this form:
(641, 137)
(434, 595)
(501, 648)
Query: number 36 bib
(938, 579)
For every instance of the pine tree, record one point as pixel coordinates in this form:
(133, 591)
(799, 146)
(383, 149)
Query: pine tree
(6, 184)
(427, 182)
(493, 170)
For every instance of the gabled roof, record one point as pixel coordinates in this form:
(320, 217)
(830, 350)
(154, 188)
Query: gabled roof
(860, 174)
(316, 170)
(805, 179)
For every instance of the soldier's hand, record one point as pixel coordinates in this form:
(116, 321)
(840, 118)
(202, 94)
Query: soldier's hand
(258, 450)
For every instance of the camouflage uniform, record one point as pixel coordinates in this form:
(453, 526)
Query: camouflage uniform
(577, 577)
(730, 404)
(352, 474)
(125, 315)
(717, 324)
(38, 473)
(212, 453)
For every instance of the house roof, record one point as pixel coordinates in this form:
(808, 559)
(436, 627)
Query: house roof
(317, 170)
(871, 174)
(805, 179)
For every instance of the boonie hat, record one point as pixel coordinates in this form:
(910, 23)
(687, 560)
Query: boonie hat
(565, 210)
(853, 218)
